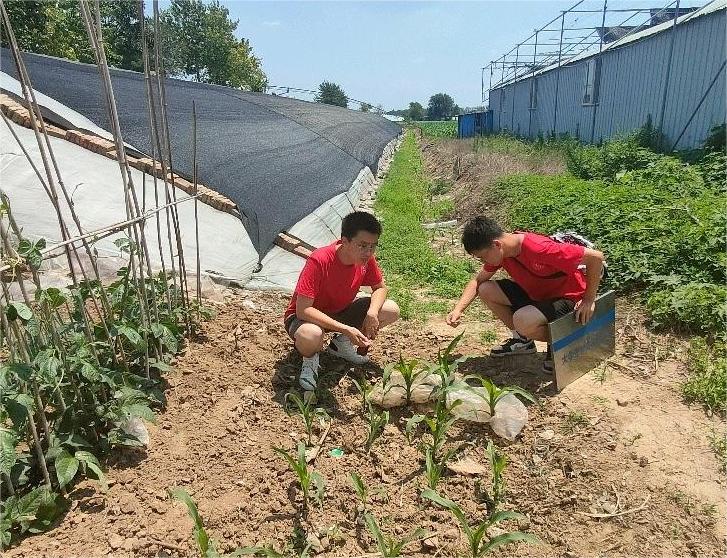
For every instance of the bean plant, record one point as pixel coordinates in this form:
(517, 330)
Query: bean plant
(479, 542)
(307, 480)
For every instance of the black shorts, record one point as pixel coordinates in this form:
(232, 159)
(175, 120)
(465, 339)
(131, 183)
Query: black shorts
(552, 309)
(353, 316)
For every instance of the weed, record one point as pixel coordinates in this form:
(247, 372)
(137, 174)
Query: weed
(375, 422)
(633, 439)
(600, 400)
(488, 336)
(440, 187)
(707, 383)
(389, 546)
(718, 443)
(308, 413)
(479, 541)
(493, 394)
(307, 479)
(574, 421)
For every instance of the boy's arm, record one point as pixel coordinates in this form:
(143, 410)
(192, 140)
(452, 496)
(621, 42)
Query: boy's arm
(584, 308)
(468, 295)
(370, 325)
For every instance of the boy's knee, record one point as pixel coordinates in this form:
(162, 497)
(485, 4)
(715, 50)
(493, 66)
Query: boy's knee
(487, 290)
(527, 320)
(309, 333)
(389, 312)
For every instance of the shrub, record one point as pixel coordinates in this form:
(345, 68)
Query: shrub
(607, 161)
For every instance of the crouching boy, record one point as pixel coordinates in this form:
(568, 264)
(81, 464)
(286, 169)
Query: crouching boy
(325, 298)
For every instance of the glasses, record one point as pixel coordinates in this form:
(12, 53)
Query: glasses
(366, 246)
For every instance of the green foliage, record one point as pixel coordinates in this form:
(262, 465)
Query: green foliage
(441, 107)
(33, 512)
(415, 111)
(477, 537)
(437, 128)
(662, 228)
(404, 249)
(359, 486)
(498, 462)
(330, 93)
(410, 372)
(307, 480)
(717, 139)
(707, 382)
(389, 546)
(609, 160)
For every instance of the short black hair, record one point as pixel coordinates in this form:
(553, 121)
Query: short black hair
(359, 221)
(479, 233)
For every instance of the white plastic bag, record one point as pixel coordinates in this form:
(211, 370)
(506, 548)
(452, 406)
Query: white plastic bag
(510, 413)
(393, 394)
(134, 426)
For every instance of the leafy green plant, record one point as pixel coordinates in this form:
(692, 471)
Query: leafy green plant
(364, 387)
(478, 540)
(493, 394)
(375, 423)
(436, 464)
(389, 546)
(307, 480)
(308, 412)
(707, 382)
(33, 512)
(359, 486)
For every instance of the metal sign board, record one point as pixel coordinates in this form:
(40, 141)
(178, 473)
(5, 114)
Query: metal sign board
(578, 348)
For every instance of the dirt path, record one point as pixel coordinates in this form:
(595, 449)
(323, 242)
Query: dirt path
(627, 438)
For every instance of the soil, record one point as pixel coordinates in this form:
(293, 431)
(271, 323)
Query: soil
(619, 442)
(620, 435)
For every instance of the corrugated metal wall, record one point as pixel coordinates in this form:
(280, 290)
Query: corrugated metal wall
(631, 89)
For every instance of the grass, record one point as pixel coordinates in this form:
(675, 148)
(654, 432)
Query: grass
(718, 443)
(707, 382)
(405, 252)
(574, 421)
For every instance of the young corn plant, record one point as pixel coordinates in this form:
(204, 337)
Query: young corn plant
(446, 369)
(435, 465)
(410, 373)
(498, 462)
(376, 421)
(390, 547)
(494, 394)
(360, 488)
(364, 388)
(308, 412)
(311, 482)
(479, 542)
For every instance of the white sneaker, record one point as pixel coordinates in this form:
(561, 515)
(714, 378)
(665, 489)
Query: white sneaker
(309, 373)
(342, 347)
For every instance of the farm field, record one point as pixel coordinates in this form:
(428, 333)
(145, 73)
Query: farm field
(615, 465)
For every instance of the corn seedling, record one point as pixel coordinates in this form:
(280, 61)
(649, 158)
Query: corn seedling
(434, 466)
(307, 479)
(376, 421)
(440, 422)
(205, 544)
(411, 424)
(479, 542)
(308, 412)
(359, 486)
(498, 462)
(388, 546)
(364, 388)
(493, 394)
(410, 373)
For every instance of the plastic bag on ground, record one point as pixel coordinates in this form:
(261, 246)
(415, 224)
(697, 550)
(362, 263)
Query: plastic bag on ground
(134, 426)
(393, 394)
(510, 413)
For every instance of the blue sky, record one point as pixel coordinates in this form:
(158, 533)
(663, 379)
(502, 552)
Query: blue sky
(390, 52)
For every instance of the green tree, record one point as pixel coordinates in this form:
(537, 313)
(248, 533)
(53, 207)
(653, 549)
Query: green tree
(366, 107)
(416, 111)
(441, 107)
(331, 93)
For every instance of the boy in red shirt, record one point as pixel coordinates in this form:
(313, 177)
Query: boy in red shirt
(546, 282)
(325, 298)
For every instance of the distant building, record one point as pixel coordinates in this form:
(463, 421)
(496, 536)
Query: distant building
(596, 96)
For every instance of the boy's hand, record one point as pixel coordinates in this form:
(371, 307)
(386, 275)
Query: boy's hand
(454, 317)
(584, 309)
(356, 337)
(370, 326)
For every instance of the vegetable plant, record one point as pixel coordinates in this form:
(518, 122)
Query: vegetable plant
(359, 486)
(498, 462)
(388, 546)
(307, 480)
(476, 532)
(308, 412)
(410, 373)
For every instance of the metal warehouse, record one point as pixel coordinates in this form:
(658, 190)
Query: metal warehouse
(668, 70)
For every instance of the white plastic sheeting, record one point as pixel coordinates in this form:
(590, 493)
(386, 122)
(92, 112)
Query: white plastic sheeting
(94, 182)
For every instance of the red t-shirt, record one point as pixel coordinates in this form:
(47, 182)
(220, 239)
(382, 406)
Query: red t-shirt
(330, 283)
(546, 269)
